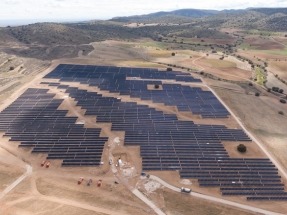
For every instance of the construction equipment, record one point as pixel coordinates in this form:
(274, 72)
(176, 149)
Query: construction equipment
(80, 180)
(48, 164)
(43, 163)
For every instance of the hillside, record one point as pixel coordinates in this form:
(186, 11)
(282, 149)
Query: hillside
(47, 41)
(251, 18)
(177, 16)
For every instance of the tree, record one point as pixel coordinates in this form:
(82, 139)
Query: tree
(173, 54)
(241, 148)
(156, 86)
(281, 91)
(275, 89)
(169, 69)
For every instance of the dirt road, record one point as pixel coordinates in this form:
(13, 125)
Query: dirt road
(214, 199)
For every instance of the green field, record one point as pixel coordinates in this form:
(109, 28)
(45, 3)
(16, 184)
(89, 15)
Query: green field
(260, 76)
(277, 52)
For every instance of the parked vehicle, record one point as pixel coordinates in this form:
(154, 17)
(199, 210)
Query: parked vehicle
(185, 190)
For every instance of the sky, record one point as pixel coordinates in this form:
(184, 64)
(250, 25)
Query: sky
(25, 11)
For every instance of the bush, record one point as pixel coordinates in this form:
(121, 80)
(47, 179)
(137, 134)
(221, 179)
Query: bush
(173, 54)
(275, 89)
(250, 84)
(281, 91)
(169, 69)
(268, 90)
(156, 86)
(281, 112)
(257, 94)
(241, 148)
(12, 68)
(283, 101)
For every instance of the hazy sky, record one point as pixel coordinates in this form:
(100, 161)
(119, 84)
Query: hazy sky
(52, 10)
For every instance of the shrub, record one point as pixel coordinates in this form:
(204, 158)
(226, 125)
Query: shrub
(202, 73)
(283, 101)
(173, 54)
(241, 148)
(281, 112)
(169, 69)
(12, 68)
(281, 91)
(257, 94)
(269, 90)
(275, 89)
(156, 86)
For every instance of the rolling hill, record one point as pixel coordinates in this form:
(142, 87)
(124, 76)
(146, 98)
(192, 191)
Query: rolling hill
(252, 18)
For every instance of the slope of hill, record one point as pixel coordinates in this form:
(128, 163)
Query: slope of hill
(51, 41)
(251, 18)
(270, 11)
(182, 15)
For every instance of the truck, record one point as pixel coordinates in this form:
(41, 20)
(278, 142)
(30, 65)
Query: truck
(185, 190)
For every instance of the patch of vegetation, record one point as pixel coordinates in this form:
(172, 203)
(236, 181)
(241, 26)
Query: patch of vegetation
(260, 76)
(241, 148)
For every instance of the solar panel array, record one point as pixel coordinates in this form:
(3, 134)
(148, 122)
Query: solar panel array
(135, 81)
(166, 143)
(33, 119)
(196, 151)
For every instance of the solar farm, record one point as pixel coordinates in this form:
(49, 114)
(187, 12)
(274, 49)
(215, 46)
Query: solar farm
(166, 141)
